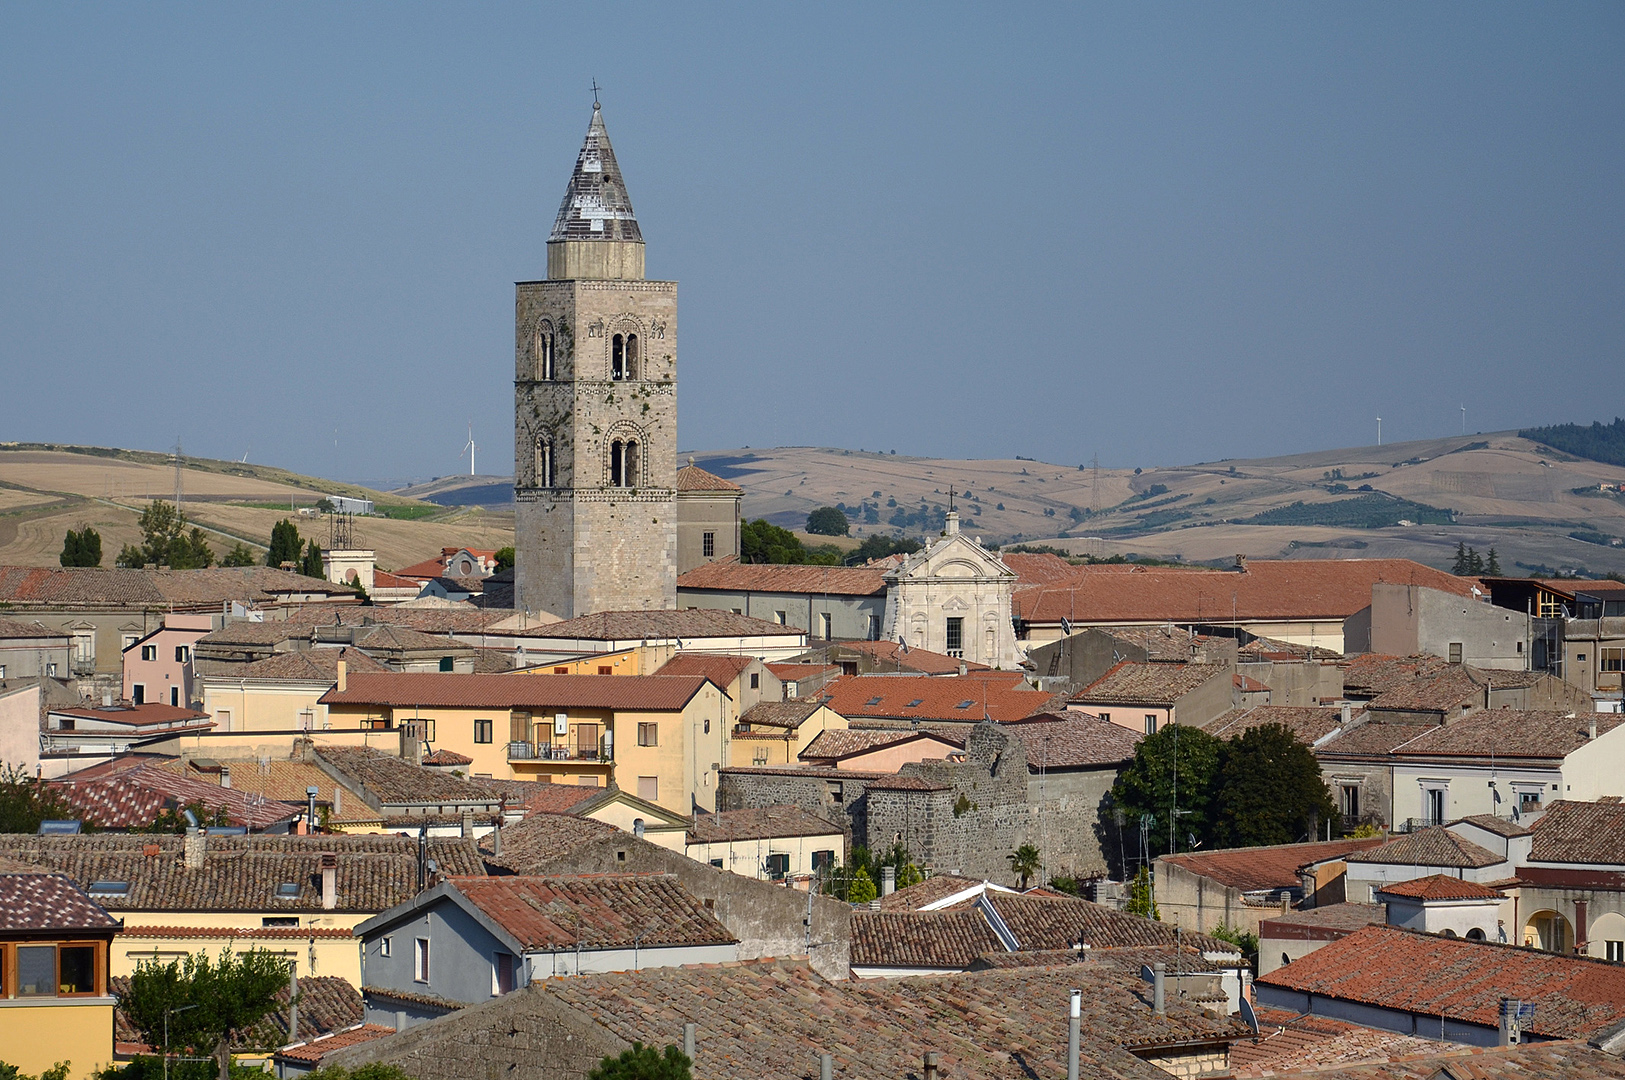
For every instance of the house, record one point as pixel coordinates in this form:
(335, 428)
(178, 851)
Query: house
(660, 735)
(407, 796)
(281, 694)
(698, 629)
(1080, 658)
(801, 680)
(954, 699)
(1239, 887)
(612, 806)
(133, 798)
(773, 843)
(893, 658)
(396, 647)
(298, 896)
(1291, 935)
(828, 603)
(29, 650)
(1450, 988)
(1144, 697)
(1442, 904)
(1409, 619)
(778, 732)
(1319, 603)
(744, 680)
(775, 1018)
(158, 665)
(452, 562)
(54, 1003)
(340, 806)
(82, 732)
(953, 597)
(881, 751)
(471, 939)
(709, 517)
(19, 727)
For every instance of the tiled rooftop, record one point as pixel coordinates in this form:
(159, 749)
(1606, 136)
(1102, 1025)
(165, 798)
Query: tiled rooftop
(312, 1051)
(759, 823)
(660, 625)
(781, 714)
(1290, 1040)
(1308, 724)
(1439, 887)
(132, 798)
(391, 779)
(26, 586)
(151, 714)
(541, 838)
(1580, 832)
(721, 669)
(1510, 733)
(1545, 1060)
(13, 629)
(1447, 692)
(1574, 997)
(1433, 846)
(728, 575)
(926, 892)
(1075, 741)
(922, 939)
(1147, 684)
(37, 902)
(691, 477)
(327, 1004)
(282, 781)
(890, 655)
(543, 692)
(1372, 674)
(318, 666)
(835, 744)
(1265, 868)
(601, 911)
(951, 698)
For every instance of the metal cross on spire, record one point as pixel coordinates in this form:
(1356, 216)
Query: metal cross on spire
(595, 89)
(950, 497)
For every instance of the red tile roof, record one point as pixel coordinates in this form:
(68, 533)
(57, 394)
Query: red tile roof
(258, 933)
(445, 690)
(891, 654)
(721, 669)
(302, 665)
(1510, 733)
(691, 477)
(1039, 569)
(1308, 724)
(1371, 674)
(1129, 683)
(925, 939)
(943, 698)
(1384, 966)
(788, 715)
(132, 798)
(929, 891)
(1580, 832)
(1281, 589)
(1289, 1040)
(148, 715)
(1260, 868)
(1441, 887)
(165, 589)
(37, 902)
(447, 757)
(834, 745)
(313, 1051)
(1076, 741)
(661, 625)
(599, 911)
(727, 575)
(759, 823)
(12, 629)
(1434, 846)
(1445, 691)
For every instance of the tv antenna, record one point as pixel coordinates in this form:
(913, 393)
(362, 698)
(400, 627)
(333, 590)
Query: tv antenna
(178, 490)
(469, 449)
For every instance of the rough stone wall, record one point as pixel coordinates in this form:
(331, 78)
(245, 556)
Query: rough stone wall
(1066, 820)
(580, 544)
(742, 791)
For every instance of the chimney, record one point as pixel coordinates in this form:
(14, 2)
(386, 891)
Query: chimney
(888, 880)
(963, 668)
(1593, 725)
(468, 824)
(330, 880)
(1074, 1032)
(1509, 1022)
(343, 675)
(826, 1067)
(293, 1001)
(411, 743)
(338, 800)
(193, 848)
(689, 1031)
(1241, 563)
(1158, 982)
(225, 776)
(496, 839)
(310, 807)
(930, 1070)
(1348, 714)
(107, 699)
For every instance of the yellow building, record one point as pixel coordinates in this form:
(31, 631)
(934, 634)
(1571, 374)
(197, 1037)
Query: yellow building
(54, 1004)
(280, 694)
(660, 737)
(776, 732)
(639, 660)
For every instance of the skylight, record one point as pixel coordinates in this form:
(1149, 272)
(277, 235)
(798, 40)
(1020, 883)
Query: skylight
(109, 888)
(288, 889)
(967, 703)
(915, 702)
(873, 701)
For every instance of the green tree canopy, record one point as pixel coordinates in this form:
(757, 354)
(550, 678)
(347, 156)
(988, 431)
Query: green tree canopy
(644, 1063)
(1025, 862)
(878, 547)
(1147, 785)
(505, 558)
(166, 541)
(311, 564)
(761, 541)
(59, 1071)
(83, 548)
(862, 890)
(25, 801)
(1140, 898)
(828, 521)
(285, 544)
(239, 555)
(221, 999)
(1270, 790)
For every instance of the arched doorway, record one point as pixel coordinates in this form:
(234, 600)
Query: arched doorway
(1605, 937)
(1549, 932)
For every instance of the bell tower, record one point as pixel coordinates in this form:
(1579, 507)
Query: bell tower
(595, 409)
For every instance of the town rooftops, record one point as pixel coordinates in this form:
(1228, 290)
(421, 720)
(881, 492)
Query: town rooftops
(1433, 846)
(1386, 967)
(1324, 922)
(691, 477)
(1075, 741)
(150, 715)
(595, 911)
(1438, 887)
(1265, 590)
(302, 666)
(1309, 724)
(930, 891)
(1368, 675)
(397, 690)
(312, 1051)
(891, 654)
(952, 698)
(838, 744)
(1292, 1040)
(729, 575)
(38, 586)
(542, 838)
(1039, 568)
(1161, 684)
(758, 823)
(787, 715)
(1265, 868)
(943, 940)
(275, 874)
(271, 779)
(48, 903)
(13, 630)
(393, 780)
(327, 1003)
(132, 798)
(1508, 733)
(1580, 832)
(1447, 692)
(661, 625)
(723, 670)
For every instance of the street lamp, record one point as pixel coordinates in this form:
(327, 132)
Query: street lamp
(167, 1013)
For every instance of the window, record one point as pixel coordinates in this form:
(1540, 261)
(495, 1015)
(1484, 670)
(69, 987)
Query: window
(1150, 723)
(1435, 803)
(482, 731)
(822, 860)
(183, 655)
(649, 788)
(288, 890)
(1616, 952)
(1106, 716)
(824, 626)
(149, 652)
(1580, 657)
(76, 969)
(446, 663)
(109, 888)
(1455, 652)
(874, 628)
(717, 863)
(280, 920)
(778, 866)
(756, 680)
(956, 636)
(502, 965)
(1349, 802)
(420, 960)
(174, 695)
(1475, 934)
(758, 756)
(1610, 660)
(649, 734)
(126, 640)
(544, 462)
(606, 669)
(544, 352)
(50, 670)
(617, 357)
(631, 356)
(2, 671)
(1528, 800)
(967, 703)
(385, 946)
(708, 545)
(779, 617)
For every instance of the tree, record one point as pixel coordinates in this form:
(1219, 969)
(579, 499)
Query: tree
(174, 820)
(1147, 786)
(878, 547)
(505, 558)
(1492, 564)
(1475, 563)
(828, 521)
(285, 544)
(239, 555)
(166, 541)
(373, 1070)
(221, 999)
(1141, 900)
(59, 1071)
(83, 548)
(644, 1063)
(1459, 567)
(1270, 789)
(862, 890)
(760, 541)
(311, 564)
(1024, 862)
(25, 801)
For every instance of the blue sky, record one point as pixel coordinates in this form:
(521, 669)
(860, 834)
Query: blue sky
(1157, 232)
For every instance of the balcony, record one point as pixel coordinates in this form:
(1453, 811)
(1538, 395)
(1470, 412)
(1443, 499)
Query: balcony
(528, 751)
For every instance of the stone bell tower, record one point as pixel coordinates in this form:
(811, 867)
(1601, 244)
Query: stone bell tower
(595, 409)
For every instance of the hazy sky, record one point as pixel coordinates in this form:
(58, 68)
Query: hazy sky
(1156, 232)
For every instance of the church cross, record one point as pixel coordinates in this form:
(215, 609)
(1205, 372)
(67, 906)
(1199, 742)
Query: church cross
(595, 89)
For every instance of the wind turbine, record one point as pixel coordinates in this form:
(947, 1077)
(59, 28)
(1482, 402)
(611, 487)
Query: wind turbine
(469, 449)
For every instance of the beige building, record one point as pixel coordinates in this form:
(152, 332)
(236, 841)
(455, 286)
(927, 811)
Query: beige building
(281, 693)
(595, 409)
(954, 598)
(774, 843)
(709, 516)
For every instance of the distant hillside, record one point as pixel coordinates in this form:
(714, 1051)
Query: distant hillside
(1597, 442)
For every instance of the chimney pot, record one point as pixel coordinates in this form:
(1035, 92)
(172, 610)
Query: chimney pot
(1593, 725)
(225, 776)
(689, 1031)
(343, 676)
(193, 848)
(930, 1065)
(468, 825)
(1348, 714)
(1158, 987)
(1241, 563)
(888, 880)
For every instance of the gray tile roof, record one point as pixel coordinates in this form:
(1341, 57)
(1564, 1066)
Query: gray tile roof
(48, 902)
(599, 911)
(1435, 846)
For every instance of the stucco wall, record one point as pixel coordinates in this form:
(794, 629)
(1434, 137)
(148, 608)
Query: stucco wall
(460, 954)
(35, 1034)
(19, 727)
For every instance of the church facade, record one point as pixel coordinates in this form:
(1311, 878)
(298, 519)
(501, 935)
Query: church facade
(954, 597)
(595, 409)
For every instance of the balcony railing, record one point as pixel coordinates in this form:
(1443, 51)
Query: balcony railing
(527, 751)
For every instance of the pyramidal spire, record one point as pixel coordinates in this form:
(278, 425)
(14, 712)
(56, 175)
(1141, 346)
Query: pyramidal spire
(596, 205)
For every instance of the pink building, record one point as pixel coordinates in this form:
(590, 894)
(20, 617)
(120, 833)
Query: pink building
(158, 667)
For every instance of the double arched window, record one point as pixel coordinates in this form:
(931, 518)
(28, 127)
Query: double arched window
(545, 466)
(544, 352)
(625, 464)
(623, 357)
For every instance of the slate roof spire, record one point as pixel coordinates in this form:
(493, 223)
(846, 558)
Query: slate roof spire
(596, 205)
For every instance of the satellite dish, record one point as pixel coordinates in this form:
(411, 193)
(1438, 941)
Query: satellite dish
(1146, 973)
(1248, 1016)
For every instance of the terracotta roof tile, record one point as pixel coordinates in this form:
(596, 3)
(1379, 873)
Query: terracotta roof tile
(927, 939)
(1076, 741)
(1447, 692)
(327, 1003)
(660, 624)
(1371, 674)
(1265, 868)
(541, 838)
(929, 891)
(1580, 832)
(1574, 997)
(1039, 569)
(1289, 1041)
(132, 798)
(951, 698)
(11, 629)
(833, 745)
(303, 665)
(48, 902)
(889, 654)
(1129, 683)
(691, 477)
(444, 690)
(315, 1049)
(781, 714)
(558, 798)
(758, 823)
(391, 779)
(1441, 887)
(24, 586)
(1061, 922)
(1547, 1060)
(1434, 846)
(1509, 733)
(283, 781)
(1309, 724)
(728, 575)
(151, 714)
(598, 910)
(1371, 735)
(445, 757)
(721, 669)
